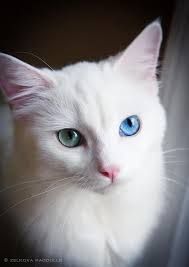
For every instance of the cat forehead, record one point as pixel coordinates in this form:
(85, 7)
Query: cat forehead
(92, 94)
(89, 83)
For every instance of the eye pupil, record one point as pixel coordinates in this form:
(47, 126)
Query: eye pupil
(130, 126)
(129, 121)
(70, 134)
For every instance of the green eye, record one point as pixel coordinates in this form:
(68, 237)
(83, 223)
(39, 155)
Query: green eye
(69, 137)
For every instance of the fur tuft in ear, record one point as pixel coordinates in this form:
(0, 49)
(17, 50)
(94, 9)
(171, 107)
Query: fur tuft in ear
(141, 56)
(19, 81)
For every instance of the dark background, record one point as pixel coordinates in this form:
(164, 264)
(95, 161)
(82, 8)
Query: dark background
(69, 31)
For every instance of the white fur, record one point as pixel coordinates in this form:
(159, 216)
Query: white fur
(89, 222)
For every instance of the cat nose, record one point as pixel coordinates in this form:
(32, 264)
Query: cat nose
(110, 172)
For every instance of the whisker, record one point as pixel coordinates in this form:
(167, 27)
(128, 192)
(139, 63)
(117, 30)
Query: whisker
(70, 178)
(176, 161)
(22, 183)
(176, 182)
(33, 181)
(175, 150)
(170, 156)
(29, 198)
(47, 190)
(21, 189)
(32, 54)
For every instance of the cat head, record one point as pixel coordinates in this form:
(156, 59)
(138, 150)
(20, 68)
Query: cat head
(94, 125)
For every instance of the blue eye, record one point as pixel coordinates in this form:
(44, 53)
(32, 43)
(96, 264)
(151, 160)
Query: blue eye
(129, 126)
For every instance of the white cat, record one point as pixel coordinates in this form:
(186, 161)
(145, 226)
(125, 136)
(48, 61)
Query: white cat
(86, 156)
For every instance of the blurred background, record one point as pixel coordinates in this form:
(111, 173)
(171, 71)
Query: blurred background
(67, 31)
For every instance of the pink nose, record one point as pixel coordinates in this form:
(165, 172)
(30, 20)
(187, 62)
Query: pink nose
(109, 171)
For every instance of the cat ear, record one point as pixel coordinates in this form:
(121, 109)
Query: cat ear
(19, 81)
(141, 56)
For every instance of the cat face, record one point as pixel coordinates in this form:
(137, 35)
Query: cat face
(95, 125)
